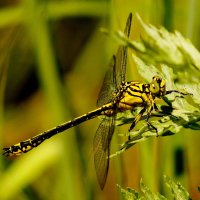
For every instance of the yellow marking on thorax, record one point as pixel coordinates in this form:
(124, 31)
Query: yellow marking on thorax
(128, 101)
(135, 87)
(141, 87)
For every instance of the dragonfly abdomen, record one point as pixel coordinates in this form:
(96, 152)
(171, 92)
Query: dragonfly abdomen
(33, 142)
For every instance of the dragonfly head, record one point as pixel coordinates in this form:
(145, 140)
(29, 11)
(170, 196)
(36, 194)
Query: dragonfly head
(158, 86)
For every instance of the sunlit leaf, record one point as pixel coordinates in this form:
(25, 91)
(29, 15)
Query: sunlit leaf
(177, 190)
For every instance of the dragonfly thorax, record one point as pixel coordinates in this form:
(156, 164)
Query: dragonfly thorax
(136, 94)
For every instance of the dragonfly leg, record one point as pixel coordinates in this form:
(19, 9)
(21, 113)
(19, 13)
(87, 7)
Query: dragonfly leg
(169, 103)
(159, 113)
(156, 108)
(177, 91)
(136, 120)
(148, 116)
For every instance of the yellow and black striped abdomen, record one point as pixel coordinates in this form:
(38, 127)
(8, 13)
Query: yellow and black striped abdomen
(33, 142)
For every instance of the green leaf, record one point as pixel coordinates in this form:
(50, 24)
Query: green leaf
(129, 194)
(147, 194)
(177, 190)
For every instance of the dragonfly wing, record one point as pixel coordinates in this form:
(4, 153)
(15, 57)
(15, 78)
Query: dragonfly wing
(116, 72)
(112, 81)
(108, 87)
(121, 56)
(101, 145)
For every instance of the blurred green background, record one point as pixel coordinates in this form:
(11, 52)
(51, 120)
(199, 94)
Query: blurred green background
(53, 58)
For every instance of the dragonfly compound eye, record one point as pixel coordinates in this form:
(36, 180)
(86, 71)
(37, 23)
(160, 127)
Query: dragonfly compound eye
(155, 85)
(158, 86)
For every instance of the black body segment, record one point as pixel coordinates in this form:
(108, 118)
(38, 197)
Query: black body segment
(33, 142)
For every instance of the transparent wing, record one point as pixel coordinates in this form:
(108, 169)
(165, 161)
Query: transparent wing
(108, 86)
(101, 146)
(116, 72)
(112, 81)
(121, 56)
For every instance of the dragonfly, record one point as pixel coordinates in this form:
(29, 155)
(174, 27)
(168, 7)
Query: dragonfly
(116, 95)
